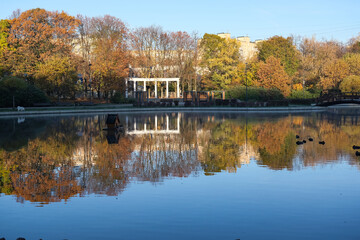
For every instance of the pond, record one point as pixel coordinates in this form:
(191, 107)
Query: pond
(181, 175)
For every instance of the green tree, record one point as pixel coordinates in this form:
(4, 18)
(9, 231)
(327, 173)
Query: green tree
(283, 49)
(221, 59)
(24, 94)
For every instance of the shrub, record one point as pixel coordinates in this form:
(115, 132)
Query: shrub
(120, 98)
(300, 94)
(254, 93)
(301, 101)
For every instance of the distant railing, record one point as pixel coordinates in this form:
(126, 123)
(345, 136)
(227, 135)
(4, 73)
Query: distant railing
(338, 98)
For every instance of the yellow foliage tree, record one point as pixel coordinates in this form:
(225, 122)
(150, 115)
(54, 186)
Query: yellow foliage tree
(334, 72)
(350, 84)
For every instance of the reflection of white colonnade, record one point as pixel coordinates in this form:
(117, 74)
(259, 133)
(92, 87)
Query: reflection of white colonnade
(146, 129)
(155, 80)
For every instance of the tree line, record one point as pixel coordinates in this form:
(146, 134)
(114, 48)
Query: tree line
(78, 56)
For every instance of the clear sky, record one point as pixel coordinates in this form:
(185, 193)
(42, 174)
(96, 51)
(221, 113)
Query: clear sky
(259, 19)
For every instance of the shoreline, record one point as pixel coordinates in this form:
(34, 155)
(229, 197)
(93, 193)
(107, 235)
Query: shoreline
(164, 109)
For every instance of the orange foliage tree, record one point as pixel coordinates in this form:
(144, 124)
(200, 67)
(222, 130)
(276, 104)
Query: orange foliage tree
(271, 74)
(37, 34)
(110, 56)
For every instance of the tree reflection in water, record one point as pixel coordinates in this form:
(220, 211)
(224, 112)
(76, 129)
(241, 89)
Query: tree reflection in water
(72, 156)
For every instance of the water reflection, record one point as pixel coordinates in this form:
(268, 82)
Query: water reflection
(52, 159)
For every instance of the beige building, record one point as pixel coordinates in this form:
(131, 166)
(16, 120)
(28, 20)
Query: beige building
(247, 48)
(224, 35)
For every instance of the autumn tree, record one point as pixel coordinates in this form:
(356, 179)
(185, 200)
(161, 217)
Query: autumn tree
(354, 45)
(282, 49)
(248, 72)
(220, 60)
(37, 34)
(333, 73)
(317, 59)
(350, 84)
(57, 75)
(4, 34)
(110, 58)
(309, 63)
(102, 53)
(84, 49)
(184, 57)
(353, 62)
(271, 74)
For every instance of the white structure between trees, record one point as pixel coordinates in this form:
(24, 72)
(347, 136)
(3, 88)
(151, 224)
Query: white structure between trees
(155, 80)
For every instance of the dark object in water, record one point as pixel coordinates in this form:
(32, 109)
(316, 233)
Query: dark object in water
(356, 147)
(304, 141)
(297, 136)
(299, 143)
(112, 121)
(310, 139)
(113, 135)
(322, 142)
(357, 153)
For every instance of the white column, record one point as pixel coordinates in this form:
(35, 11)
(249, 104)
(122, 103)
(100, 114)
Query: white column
(177, 89)
(167, 89)
(155, 89)
(126, 88)
(155, 122)
(134, 88)
(178, 122)
(167, 123)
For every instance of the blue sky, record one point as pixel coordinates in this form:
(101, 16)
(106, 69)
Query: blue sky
(261, 19)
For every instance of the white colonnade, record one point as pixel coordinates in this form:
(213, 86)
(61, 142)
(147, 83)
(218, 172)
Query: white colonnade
(155, 80)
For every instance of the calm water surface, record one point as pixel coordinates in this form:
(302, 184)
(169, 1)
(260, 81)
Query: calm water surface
(181, 176)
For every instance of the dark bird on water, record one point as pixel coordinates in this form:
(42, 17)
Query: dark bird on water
(310, 139)
(356, 147)
(357, 153)
(322, 142)
(299, 142)
(297, 136)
